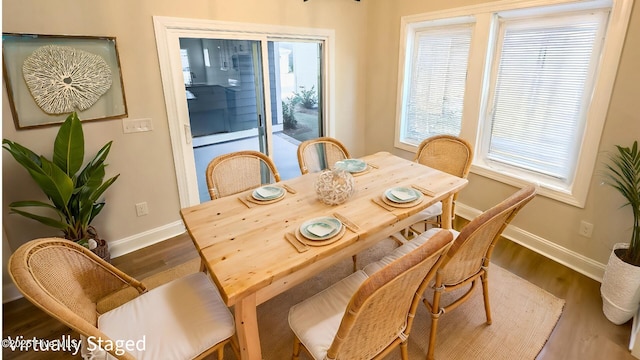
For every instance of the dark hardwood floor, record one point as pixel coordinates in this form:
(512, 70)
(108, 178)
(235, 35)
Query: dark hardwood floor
(582, 332)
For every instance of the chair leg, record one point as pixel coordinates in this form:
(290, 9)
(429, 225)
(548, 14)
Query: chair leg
(432, 336)
(435, 315)
(296, 348)
(485, 292)
(355, 263)
(408, 233)
(221, 353)
(404, 351)
(399, 238)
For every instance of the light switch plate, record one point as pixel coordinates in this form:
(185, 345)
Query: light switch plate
(136, 125)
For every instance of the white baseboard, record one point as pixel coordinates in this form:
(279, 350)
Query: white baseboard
(118, 248)
(566, 257)
(146, 238)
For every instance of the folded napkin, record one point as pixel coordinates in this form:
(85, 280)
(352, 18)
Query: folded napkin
(267, 192)
(402, 194)
(320, 229)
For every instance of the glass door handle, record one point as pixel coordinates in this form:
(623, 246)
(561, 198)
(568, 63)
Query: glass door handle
(261, 129)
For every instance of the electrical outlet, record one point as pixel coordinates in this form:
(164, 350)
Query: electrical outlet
(142, 209)
(586, 229)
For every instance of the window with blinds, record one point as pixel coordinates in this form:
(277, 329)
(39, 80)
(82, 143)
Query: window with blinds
(435, 96)
(542, 86)
(526, 82)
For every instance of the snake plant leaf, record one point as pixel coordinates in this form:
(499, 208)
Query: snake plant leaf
(94, 171)
(88, 184)
(96, 194)
(97, 207)
(32, 203)
(68, 147)
(25, 157)
(43, 219)
(89, 181)
(94, 165)
(91, 206)
(55, 183)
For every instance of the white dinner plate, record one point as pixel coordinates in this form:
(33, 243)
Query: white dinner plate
(402, 195)
(268, 192)
(320, 228)
(351, 165)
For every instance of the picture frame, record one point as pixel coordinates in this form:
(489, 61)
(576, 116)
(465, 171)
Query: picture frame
(49, 76)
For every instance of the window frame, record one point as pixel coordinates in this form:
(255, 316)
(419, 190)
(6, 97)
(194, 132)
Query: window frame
(479, 73)
(416, 29)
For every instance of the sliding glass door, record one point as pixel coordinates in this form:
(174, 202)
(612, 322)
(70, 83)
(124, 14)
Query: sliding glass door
(226, 95)
(237, 86)
(295, 87)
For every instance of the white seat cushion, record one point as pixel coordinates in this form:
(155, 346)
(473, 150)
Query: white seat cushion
(316, 320)
(178, 320)
(404, 249)
(432, 211)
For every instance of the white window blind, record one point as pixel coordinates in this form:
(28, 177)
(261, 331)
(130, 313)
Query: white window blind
(543, 86)
(436, 83)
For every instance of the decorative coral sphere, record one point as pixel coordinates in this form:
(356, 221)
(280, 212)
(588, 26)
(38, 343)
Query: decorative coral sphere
(334, 186)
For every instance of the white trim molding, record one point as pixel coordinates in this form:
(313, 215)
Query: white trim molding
(544, 247)
(146, 238)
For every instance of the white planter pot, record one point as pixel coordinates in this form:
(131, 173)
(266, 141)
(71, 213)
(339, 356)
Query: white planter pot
(620, 288)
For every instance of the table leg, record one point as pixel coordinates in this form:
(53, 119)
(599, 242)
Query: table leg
(247, 328)
(447, 204)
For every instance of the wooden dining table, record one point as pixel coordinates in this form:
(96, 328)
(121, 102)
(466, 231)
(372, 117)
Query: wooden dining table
(248, 249)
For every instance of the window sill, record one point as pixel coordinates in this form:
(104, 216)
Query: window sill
(553, 192)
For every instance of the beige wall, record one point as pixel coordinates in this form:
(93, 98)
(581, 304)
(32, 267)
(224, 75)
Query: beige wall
(367, 40)
(145, 160)
(549, 219)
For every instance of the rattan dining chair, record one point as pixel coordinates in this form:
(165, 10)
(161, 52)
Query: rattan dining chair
(447, 153)
(182, 319)
(236, 172)
(468, 259)
(319, 154)
(366, 317)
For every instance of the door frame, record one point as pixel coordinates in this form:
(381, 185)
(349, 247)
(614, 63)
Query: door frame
(168, 31)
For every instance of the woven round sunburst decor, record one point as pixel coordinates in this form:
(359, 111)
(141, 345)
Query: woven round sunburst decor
(63, 79)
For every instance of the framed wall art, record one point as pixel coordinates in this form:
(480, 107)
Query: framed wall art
(49, 76)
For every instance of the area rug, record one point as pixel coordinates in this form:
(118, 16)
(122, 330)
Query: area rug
(524, 316)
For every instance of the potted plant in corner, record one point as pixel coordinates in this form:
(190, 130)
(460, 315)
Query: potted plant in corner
(74, 194)
(621, 281)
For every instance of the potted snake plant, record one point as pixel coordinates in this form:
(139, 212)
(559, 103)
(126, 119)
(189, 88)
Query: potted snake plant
(74, 192)
(620, 288)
